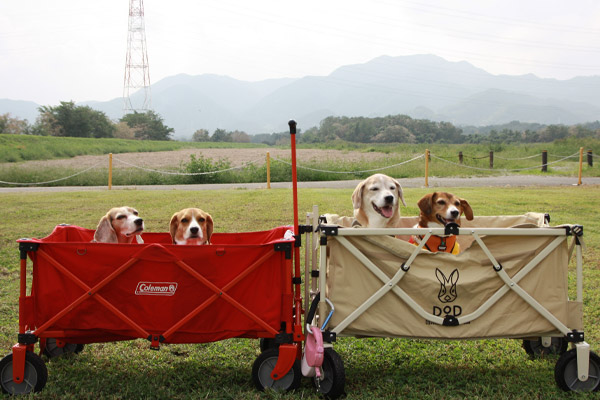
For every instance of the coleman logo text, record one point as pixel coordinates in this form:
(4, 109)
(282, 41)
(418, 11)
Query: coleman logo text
(156, 288)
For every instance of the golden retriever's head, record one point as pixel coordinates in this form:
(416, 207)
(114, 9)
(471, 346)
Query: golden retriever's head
(119, 225)
(375, 201)
(442, 208)
(191, 226)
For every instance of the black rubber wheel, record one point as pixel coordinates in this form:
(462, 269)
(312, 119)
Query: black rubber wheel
(35, 377)
(52, 350)
(334, 376)
(535, 348)
(264, 365)
(565, 373)
(267, 343)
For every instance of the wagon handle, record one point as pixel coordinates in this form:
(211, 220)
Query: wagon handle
(298, 336)
(292, 125)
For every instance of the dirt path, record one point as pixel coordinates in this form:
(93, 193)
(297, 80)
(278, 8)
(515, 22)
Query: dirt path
(173, 159)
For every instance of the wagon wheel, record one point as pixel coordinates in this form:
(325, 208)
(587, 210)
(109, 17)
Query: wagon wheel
(535, 348)
(52, 348)
(565, 373)
(34, 379)
(333, 375)
(264, 365)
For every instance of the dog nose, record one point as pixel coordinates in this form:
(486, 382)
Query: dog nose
(389, 199)
(194, 230)
(138, 221)
(454, 213)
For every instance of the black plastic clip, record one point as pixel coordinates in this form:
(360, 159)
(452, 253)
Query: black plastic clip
(296, 280)
(283, 338)
(329, 336)
(450, 320)
(304, 229)
(286, 247)
(329, 230)
(451, 229)
(575, 337)
(24, 247)
(27, 338)
(314, 273)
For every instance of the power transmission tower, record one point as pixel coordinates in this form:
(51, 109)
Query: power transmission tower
(137, 70)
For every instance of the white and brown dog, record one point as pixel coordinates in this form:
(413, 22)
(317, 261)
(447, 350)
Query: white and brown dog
(191, 226)
(120, 225)
(437, 210)
(375, 201)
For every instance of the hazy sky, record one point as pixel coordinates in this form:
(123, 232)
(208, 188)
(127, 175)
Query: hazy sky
(63, 50)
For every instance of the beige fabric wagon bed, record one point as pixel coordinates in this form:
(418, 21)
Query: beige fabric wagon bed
(509, 281)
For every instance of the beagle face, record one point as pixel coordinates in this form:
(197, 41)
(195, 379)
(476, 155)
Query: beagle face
(119, 225)
(191, 226)
(441, 208)
(375, 201)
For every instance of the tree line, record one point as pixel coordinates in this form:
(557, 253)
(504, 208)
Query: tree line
(404, 129)
(67, 119)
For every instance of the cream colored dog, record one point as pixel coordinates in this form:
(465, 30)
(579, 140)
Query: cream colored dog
(376, 200)
(119, 225)
(191, 226)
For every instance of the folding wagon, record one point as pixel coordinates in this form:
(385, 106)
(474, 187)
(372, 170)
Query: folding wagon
(510, 281)
(242, 285)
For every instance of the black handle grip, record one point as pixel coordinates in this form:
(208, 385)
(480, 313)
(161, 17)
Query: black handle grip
(292, 125)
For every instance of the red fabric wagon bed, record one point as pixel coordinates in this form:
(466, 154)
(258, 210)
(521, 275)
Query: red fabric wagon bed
(84, 292)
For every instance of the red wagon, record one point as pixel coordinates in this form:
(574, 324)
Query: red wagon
(243, 285)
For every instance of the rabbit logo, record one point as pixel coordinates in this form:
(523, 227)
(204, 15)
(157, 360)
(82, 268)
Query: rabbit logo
(447, 292)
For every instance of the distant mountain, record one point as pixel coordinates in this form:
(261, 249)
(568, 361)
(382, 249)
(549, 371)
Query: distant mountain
(421, 86)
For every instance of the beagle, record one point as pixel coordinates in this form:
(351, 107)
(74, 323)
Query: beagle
(375, 201)
(119, 225)
(191, 226)
(437, 210)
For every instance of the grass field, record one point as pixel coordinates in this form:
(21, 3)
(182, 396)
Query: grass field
(398, 160)
(375, 368)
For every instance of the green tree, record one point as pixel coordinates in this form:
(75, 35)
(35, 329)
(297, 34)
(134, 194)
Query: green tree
(67, 119)
(13, 126)
(201, 135)
(221, 135)
(148, 126)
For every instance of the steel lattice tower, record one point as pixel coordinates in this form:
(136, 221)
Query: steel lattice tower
(137, 70)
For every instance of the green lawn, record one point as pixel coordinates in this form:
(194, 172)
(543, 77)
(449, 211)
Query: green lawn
(375, 368)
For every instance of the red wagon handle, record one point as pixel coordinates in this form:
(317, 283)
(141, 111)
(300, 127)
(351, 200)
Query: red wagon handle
(298, 335)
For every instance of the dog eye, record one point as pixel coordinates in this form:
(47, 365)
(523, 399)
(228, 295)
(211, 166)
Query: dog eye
(121, 216)
(441, 202)
(135, 213)
(457, 203)
(201, 219)
(184, 220)
(374, 189)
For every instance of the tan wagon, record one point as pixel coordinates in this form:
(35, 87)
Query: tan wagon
(510, 281)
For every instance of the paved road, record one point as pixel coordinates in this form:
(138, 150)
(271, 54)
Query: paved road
(506, 181)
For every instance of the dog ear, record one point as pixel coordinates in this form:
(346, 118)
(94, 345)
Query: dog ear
(357, 195)
(466, 209)
(209, 228)
(105, 232)
(400, 193)
(426, 203)
(173, 226)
